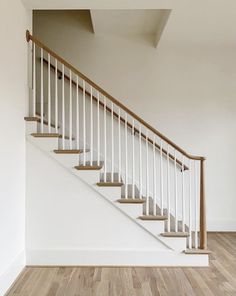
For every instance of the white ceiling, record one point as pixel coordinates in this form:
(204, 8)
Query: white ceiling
(99, 4)
(126, 22)
(130, 22)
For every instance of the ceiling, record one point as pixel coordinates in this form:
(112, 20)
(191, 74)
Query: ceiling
(131, 22)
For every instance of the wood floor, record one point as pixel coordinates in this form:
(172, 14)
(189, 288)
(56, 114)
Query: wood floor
(218, 279)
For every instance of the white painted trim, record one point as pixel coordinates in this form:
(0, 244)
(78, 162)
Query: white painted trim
(81, 257)
(8, 277)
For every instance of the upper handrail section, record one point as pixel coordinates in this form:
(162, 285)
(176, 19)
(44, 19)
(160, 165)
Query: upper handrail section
(111, 98)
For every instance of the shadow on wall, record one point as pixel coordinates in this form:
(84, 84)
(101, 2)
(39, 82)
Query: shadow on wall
(80, 18)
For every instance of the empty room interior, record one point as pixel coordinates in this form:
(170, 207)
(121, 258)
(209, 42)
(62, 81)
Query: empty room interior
(117, 165)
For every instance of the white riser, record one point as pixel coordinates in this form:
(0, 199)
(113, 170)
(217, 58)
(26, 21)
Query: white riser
(30, 127)
(133, 210)
(155, 227)
(111, 193)
(176, 243)
(67, 160)
(113, 258)
(89, 177)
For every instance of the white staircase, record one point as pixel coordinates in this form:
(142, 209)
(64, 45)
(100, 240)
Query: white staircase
(142, 173)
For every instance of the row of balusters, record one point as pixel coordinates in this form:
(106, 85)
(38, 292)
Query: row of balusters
(157, 170)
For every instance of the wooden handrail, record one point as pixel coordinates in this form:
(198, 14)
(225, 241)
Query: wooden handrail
(203, 233)
(111, 98)
(136, 131)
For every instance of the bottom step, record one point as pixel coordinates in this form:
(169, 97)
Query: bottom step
(197, 252)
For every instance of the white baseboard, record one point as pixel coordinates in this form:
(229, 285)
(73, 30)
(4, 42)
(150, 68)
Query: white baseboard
(221, 225)
(8, 277)
(112, 258)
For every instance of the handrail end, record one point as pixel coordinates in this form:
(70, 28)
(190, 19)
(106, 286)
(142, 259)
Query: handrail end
(27, 34)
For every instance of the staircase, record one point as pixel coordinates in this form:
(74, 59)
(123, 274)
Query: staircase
(131, 164)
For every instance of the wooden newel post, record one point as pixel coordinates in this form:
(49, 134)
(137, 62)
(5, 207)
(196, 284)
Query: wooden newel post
(203, 232)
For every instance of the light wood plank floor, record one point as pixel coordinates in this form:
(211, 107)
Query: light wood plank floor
(217, 280)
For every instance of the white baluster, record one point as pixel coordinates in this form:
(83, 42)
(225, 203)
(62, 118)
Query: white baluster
(49, 94)
(161, 178)
(176, 193)
(34, 80)
(56, 98)
(133, 162)
(154, 177)
(183, 195)
(105, 140)
(119, 148)
(126, 158)
(70, 113)
(63, 107)
(190, 205)
(98, 125)
(91, 125)
(168, 189)
(41, 91)
(112, 144)
(196, 206)
(77, 112)
(84, 126)
(140, 162)
(147, 176)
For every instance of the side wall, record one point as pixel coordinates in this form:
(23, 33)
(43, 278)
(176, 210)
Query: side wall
(14, 20)
(69, 223)
(185, 89)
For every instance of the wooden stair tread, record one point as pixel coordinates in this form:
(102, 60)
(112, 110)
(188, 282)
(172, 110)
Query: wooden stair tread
(197, 252)
(70, 151)
(31, 118)
(175, 234)
(153, 217)
(110, 184)
(45, 135)
(131, 200)
(88, 167)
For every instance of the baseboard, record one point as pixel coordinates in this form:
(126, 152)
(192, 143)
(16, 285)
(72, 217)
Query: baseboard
(12, 272)
(221, 225)
(112, 258)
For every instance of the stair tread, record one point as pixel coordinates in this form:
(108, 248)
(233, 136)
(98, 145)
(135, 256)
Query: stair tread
(45, 135)
(197, 252)
(110, 184)
(88, 167)
(175, 234)
(70, 151)
(131, 200)
(153, 217)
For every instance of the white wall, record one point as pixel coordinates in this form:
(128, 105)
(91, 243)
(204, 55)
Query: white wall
(185, 88)
(14, 20)
(69, 223)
